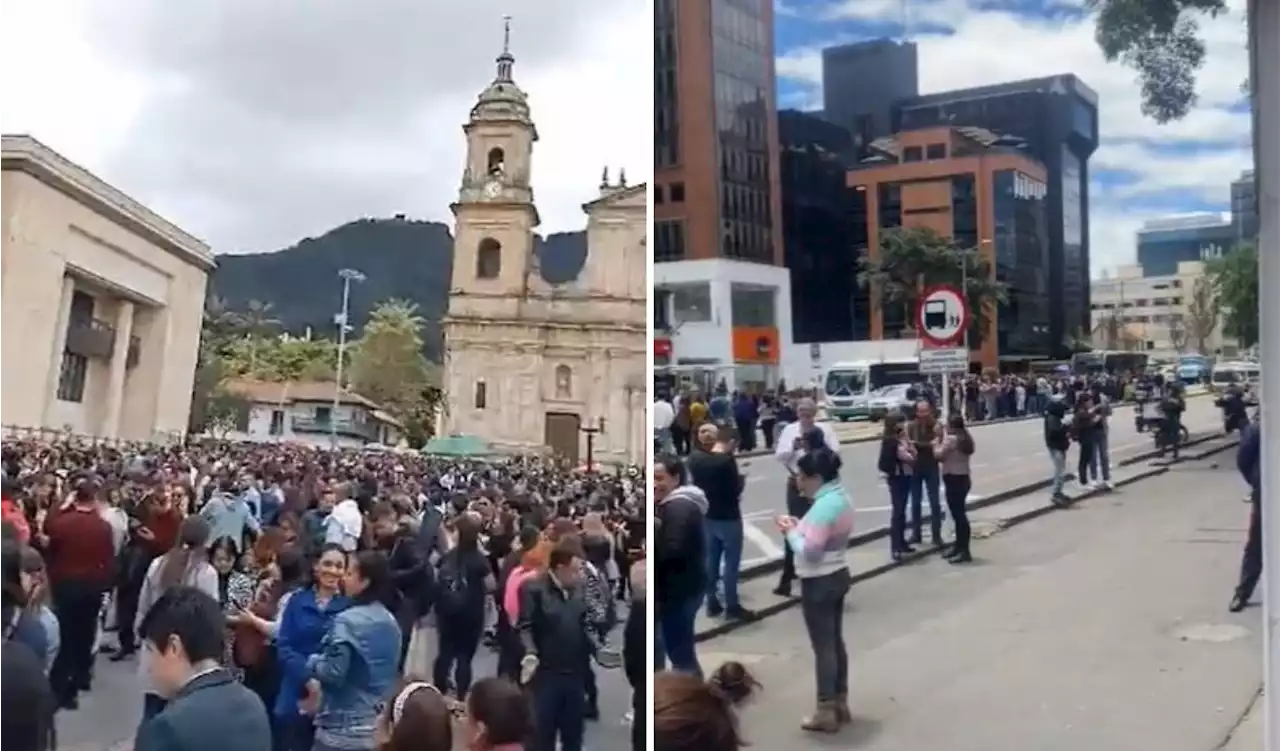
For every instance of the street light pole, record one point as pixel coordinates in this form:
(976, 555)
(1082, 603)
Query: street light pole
(1264, 63)
(348, 276)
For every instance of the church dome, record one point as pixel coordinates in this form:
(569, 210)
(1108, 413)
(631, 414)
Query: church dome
(502, 99)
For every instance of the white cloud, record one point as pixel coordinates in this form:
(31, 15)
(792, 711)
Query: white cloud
(991, 46)
(298, 117)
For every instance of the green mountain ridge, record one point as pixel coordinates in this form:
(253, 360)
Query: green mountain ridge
(401, 258)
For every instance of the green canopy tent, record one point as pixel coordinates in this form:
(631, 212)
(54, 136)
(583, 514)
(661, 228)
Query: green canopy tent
(458, 445)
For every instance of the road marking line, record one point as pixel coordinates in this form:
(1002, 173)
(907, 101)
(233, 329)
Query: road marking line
(763, 541)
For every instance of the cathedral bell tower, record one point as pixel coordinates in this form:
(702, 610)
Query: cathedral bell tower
(495, 214)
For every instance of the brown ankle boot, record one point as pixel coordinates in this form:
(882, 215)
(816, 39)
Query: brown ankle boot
(843, 715)
(823, 720)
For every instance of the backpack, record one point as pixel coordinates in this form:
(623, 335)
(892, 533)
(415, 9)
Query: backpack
(452, 585)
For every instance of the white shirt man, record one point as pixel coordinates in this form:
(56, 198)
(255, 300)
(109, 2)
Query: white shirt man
(789, 450)
(663, 414)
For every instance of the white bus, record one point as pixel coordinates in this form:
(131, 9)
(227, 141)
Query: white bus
(1239, 372)
(847, 386)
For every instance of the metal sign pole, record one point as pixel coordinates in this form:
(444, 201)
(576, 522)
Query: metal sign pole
(1264, 27)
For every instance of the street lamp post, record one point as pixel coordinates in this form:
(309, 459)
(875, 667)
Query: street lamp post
(348, 276)
(591, 431)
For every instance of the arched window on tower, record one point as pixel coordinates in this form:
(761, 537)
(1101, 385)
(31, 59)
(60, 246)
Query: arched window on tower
(489, 259)
(497, 162)
(482, 395)
(564, 382)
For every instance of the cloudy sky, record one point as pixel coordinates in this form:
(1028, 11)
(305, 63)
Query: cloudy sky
(254, 124)
(1141, 170)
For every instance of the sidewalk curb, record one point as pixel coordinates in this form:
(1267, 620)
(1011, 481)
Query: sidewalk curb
(986, 423)
(727, 626)
(881, 532)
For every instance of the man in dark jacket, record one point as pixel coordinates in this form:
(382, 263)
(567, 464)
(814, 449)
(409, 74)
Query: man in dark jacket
(208, 709)
(1249, 462)
(1057, 439)
(714, 470)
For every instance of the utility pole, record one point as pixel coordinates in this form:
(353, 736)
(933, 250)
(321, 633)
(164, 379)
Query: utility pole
(1264, 66)
(348, 276)
(591, 431)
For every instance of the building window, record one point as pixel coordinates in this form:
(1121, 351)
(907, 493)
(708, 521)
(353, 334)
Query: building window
(482, 395)
(669, 240)
(752, 306)
(71, 379)
(1176, 301)
(324, 415)
(935, 151)
(496, 162)
(912, 154)
(677, 192)
(564, 382)
(657, 195)
(691, 303)
(277, 422)
(489, 259)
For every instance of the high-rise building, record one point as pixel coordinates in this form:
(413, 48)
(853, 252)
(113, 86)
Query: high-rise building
(1244, 207)
(822, 238)
(1163, 244)
(723, 297)
(863, 102)
(1057, 119)
(983, 192)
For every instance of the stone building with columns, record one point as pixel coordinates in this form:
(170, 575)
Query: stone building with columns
(532, 365)
(102, 304)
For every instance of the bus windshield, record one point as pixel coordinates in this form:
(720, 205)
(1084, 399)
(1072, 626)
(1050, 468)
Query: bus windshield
(846, 382)
(894, 373)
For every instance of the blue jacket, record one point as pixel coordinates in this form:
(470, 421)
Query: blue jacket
(302, 628)
(357, 668)
(213, 712)
(1249, 456)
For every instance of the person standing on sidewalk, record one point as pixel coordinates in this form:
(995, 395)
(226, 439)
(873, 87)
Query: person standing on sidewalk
(1249, 462)
(1101, 440)
(953, 449)
(714, 470)
(820, 542)
(922, 432)
(680, 575)
(1057, 439)
(791, 448)
(897, 456)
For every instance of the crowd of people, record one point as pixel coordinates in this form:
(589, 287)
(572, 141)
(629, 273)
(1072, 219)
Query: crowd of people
(276, 596)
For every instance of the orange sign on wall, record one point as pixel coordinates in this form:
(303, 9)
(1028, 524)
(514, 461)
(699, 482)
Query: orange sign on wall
(756, 344)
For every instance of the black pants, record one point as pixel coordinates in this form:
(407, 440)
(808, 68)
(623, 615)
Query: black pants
(746, 435)
(559, 701)
(458, 643)
(899, 494)
(77, 604)
(1251, 564)
(1085, 462)
(680, 440)
(797, 505)
(957, 488)
(767, 427)
(133, 571)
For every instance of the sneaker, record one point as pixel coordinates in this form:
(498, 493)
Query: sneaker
(714, 608)
(739, 613)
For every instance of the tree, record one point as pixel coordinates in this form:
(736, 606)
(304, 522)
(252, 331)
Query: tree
(1111, 331)
(259, 322)
(1178, 334)
(1234, 279)
(1202, 315)
(387, 364)
(912, 258)
(1160, 39)
(278, 359)
(225, 411)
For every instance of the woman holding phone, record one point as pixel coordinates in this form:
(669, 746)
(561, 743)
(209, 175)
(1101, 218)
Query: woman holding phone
(953, 449)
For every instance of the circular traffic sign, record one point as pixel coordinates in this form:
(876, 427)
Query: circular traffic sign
(941, 313)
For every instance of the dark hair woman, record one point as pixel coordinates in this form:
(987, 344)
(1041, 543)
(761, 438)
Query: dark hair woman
(418, 718)
(953, 449)
(463, 580)
(897, 458)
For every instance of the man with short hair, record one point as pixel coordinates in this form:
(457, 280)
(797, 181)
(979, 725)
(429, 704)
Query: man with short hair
(208, 709)
(791, 447)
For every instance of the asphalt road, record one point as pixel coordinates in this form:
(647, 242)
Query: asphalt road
(1104, 627)
(109, 714)
(1008, 455)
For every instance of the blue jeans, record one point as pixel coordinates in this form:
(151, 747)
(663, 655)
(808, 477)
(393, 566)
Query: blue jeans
(1059, 459)
(675, 623)
(724, 545)
(1101, 459)
(559, 706)
(922, 481)
(899, 492)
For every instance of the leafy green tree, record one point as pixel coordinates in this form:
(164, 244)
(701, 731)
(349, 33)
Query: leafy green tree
(388, 365)
(226, 411)
(1234, 280)
(279, 359)
(912, 258)
(259, 323)
(1160, 39)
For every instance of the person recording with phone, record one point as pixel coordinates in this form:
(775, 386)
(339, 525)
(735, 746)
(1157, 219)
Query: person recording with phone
(792, 447)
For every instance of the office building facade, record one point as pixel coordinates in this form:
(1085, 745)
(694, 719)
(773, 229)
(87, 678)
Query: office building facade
(1155, 313)
(823, 238)
(862, 83)
(1163, 244)
(963, 183)
(716, 192)
(1057, 119)
(1244, 207)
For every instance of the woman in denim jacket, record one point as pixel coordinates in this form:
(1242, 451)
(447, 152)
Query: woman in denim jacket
(356, 668)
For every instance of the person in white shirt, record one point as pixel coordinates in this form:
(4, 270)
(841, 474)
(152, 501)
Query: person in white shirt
(791, 446)
(663, 415)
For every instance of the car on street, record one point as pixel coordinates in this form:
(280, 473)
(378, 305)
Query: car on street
(888, 399)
